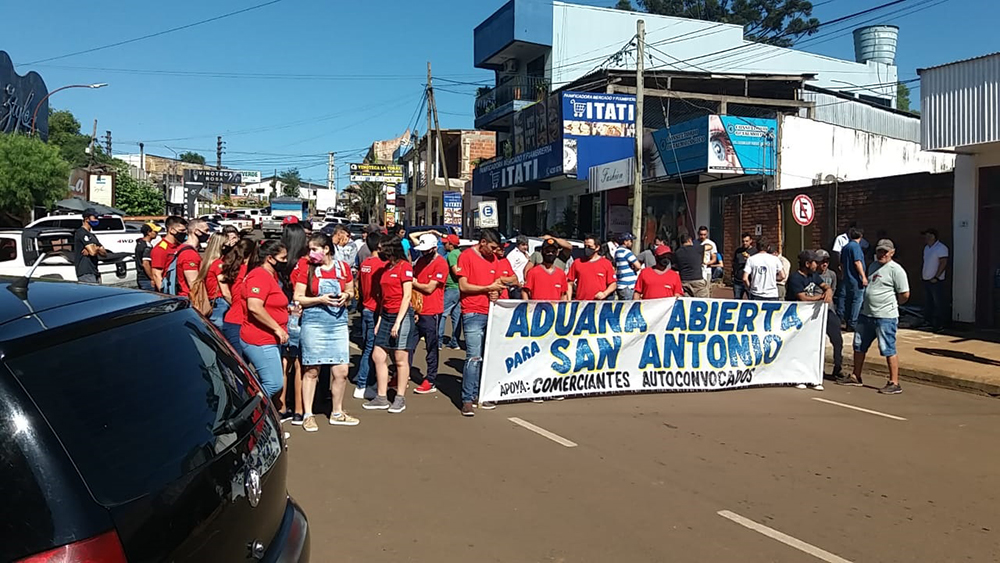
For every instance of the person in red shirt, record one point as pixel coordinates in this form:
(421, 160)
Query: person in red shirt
(395, 330)
(431, 273)
(176, 234)
(265, 326)
(234, 272)
(479, 285)
(369, 282)
(546, 282)
(659, 281)
(594, 276)
(506, 275)
(211, 270)
(324, 286)
(187, 257)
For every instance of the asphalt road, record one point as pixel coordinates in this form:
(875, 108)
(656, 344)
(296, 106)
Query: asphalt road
(751, 476)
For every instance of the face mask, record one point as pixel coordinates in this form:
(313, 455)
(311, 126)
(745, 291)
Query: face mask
(280, 264)
(430, 252)
(316, 256)
(227, 247)
(203, 237)
(93, 223)
(589, 252)
(181, 237)
(548, 258)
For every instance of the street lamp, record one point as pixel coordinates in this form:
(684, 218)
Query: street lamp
(34, 116)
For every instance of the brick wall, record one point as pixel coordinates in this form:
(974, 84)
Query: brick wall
(898, 207)
(481, 146)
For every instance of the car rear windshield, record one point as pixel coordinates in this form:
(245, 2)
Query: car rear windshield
(135, 405)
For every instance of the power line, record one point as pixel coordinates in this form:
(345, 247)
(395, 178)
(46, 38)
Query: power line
(157, 34)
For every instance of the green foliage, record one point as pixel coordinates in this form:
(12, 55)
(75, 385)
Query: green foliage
(192, 157)
(903, 97)
(290, 181)
(32, 173)
(136, 197)
(64, 134)
(366, 203)
(775, 22)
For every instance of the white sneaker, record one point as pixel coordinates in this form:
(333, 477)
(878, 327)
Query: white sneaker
(818, 387)
(359, 392)
(800, 386)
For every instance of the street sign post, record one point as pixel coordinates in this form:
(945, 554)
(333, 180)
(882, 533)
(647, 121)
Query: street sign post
(803, 210)
(488, 215)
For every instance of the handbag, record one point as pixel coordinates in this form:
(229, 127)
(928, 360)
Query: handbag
(416, 301)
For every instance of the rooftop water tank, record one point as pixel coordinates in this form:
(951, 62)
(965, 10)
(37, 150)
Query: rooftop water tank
(876, 43)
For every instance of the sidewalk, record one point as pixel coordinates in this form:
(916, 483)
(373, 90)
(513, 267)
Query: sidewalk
(949, 360)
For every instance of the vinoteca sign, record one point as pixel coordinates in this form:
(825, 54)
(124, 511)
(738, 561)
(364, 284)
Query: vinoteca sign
(19, 98)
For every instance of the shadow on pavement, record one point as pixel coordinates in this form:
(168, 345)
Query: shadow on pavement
(958, 356)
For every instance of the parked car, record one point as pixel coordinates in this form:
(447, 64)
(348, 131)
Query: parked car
(111, 230)
(242, 225)
(20, 249)
(178, 459)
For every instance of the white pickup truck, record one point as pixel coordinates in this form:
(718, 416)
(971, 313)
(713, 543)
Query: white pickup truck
(242, 224)
(110, 230)
(20, 249)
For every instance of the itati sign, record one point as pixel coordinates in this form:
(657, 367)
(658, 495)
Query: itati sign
(488, 218)
(617, 174)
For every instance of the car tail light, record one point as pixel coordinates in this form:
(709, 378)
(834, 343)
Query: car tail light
(104, 548)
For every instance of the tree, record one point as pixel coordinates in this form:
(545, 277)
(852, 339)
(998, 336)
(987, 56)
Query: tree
(367, 195)
(903, 97)
(192, 157)
(32, 173)
(64, 134)
(136, 197)
(290, 181)
(774, 22)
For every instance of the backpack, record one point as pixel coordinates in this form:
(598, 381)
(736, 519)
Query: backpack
(197, 293)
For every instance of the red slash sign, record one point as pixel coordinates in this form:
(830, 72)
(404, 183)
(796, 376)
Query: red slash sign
(803, 210)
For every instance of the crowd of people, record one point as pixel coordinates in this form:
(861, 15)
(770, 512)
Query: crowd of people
(285, 305)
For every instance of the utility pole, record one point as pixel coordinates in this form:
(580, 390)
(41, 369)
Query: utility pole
(331, 174)
(218, 159)
(107, 141)
(93, 139)
(427, 163)
(411, 195)
(440, 143)
(637, 204)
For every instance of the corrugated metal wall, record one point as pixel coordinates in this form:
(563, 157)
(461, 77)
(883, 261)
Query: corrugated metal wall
(859, 115)
(960, 103)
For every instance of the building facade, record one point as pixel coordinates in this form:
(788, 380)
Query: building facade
(959, 113)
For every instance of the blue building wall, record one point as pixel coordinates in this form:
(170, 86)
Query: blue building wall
(524, 21)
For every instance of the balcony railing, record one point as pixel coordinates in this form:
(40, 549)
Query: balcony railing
(520, 88)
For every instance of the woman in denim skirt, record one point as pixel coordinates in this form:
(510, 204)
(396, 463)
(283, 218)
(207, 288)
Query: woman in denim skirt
(323, 288)
(395, 329)
(296, 241)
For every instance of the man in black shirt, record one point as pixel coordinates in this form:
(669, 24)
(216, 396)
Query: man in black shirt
(806, 284)
(689, 259)
(143, 260)
(739, 264)
(87, 248)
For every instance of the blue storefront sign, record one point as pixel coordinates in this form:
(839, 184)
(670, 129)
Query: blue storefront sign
(453, 210)
(713, 144)
(597, 128)
(532, 166)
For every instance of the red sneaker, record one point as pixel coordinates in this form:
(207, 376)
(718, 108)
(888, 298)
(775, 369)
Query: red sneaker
(425, 388)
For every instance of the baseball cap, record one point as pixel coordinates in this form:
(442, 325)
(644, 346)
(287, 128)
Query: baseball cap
(808, 256)
(930, 231)
(662, 250)
(452, 239)
(90, 212)
(626, 236)
(149, 228)
(885, 244)
(549, 243)
(290, 220)
(427, 242)
(822, 256)
(328, 229)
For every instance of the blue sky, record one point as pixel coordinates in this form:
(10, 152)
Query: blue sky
(358, 67)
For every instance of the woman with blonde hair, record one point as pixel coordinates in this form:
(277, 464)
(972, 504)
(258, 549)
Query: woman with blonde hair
(211, 273)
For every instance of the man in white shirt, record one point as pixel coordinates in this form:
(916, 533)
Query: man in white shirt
(518, 258)
(933, 274)
(762, 272)
(711, 254)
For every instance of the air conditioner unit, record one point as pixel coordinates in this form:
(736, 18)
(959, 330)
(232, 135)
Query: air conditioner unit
(510, 66)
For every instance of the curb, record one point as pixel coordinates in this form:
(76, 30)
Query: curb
(931, 376)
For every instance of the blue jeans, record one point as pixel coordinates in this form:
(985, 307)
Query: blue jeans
(365, 364)
(146, 285)
(232, 333)
(219, 309)
(934, 310)
(740, 291)
(849, 301)
(266, 361)
(427, 328)
(626, 293)
(475, 337)
(870, 328)
(453, 309)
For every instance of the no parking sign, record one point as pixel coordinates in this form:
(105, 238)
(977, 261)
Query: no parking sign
(803, 210)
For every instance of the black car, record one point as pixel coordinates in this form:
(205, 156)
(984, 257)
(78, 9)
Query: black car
(130, 432)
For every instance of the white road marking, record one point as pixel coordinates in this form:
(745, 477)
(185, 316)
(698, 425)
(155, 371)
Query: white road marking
(783, 538)
(543, 432)
(852, 407)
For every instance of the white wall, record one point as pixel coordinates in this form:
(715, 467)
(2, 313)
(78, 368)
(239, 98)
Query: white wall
(965, 251)
(814, 153)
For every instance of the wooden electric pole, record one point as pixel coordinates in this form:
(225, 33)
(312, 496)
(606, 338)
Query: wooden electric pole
(432, 102)
(637, 204)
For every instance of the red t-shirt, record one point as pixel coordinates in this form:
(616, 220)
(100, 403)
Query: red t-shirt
(392, 285)
(188, 260)
(237, 313)
(158, 256)
(212, 279)
(504, 270)
(591, 277)
(370, 278)
(543, 286)
(653, 284)
(339, 271)
(261, 284)
(426, 271)
(477, 270)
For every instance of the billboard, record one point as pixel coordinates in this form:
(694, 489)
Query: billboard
(453, 210)
(539, 164)
(596, 128)
(713, 144)
(391, 173)
(19, 99)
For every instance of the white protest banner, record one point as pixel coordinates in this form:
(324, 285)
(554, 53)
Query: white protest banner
(549, 349)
